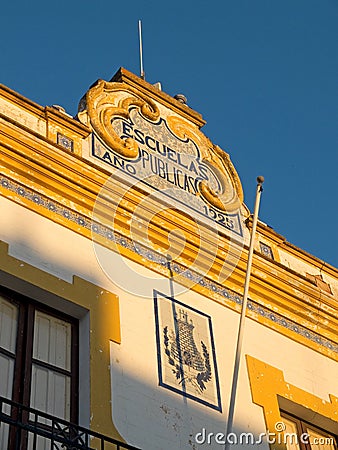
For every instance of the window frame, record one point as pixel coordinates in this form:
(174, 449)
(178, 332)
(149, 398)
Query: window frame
(302, 425)
(21, 392)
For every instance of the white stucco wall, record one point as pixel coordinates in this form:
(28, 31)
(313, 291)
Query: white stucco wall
(152, 416)
(146, 414)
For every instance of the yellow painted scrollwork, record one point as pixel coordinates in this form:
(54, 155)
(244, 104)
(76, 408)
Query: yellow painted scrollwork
(108, 100)
(231, 196)
(103, 105)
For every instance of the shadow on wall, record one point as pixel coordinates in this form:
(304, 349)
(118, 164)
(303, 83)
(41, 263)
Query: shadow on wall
(154, 418)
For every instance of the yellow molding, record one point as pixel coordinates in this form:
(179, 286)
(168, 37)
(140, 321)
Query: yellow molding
(55, 121)
(21, 101)
(34, 157)
(63, 176)
(102, 105)
(268, 286)
(58, 122)
(310, 259)
(129, 78)
(66, 122)
(266, 231)
(69, 180)
(103, 307)
(23, 129)
(108, 100)
(235, 282)
(44, 112)
(269, 289)
(280, 242)
(267, 383)
(124, 76)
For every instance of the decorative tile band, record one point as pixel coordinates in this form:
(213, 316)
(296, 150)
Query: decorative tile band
(156, 257)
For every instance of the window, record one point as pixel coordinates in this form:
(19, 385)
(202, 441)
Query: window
(38, 358)
(300, 435)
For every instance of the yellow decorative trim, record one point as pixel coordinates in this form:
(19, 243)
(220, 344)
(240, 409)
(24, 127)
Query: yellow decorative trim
(267, 287)
(147, 89)
(267, 384)
(44, 122)
(75, 183)
(304, 304)
(220, 163)
(104, 102)
(102, 105)
(103, 307)
(58, 122)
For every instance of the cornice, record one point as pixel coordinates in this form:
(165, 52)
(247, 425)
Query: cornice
(63, 120)
(124, 76)
(21, 101)
(271, 235)
(310, 259)
(47, 113)
(266, 231)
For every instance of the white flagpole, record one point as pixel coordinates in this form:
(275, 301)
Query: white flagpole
(171, 276)
(259, 190)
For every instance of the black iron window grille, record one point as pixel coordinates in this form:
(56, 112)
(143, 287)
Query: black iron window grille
(24, 428)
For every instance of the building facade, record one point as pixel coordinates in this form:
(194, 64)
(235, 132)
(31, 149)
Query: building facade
(124, 243)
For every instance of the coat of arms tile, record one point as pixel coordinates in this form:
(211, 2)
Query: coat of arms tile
(186, 351)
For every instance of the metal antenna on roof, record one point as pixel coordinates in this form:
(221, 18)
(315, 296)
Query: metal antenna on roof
(141, 49)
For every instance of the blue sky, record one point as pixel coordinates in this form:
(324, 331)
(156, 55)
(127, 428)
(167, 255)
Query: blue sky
(264, 74)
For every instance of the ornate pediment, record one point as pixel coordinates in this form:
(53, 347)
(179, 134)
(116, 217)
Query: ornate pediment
(153, 138)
